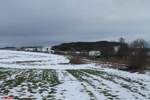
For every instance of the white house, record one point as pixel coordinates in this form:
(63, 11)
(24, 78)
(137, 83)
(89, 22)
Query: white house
(39, 49)
(116, 48)
(47, 49)
(77, 52)
(95, 53)
(29, 49)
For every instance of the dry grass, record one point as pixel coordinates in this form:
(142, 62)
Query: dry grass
(77, 60)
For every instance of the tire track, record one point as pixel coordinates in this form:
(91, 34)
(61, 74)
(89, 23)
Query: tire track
(89, 85)
(133, 87)
(70, 88)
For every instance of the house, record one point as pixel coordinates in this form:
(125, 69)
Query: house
(116, 49)
(95, 53)
(47, 49)
(39, 49)
(31, 49)
(77, 52)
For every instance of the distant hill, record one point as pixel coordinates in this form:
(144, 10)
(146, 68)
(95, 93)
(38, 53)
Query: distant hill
(87, 46)
(103, 46)
(9, 48)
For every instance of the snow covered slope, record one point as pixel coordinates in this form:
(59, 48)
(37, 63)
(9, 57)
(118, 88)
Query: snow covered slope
(30, 60)
(42, 76)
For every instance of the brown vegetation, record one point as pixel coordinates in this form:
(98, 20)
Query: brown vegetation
(137, 59)
(77, 60)
(133, 56)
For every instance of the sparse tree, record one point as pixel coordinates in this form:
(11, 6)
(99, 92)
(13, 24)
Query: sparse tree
(137, 59)
(121, 40)
(139, 43)
(137, 55)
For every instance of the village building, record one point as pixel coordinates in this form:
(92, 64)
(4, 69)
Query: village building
(116, 49)
(95, 53)
(47, 49)
(32, 49)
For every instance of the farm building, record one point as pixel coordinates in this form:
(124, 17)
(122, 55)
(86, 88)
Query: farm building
(95, 53)
(47, 49)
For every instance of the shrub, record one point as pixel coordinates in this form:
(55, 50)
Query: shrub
(76, 60)
(136, 59)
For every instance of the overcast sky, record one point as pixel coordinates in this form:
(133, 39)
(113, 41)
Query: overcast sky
(43, 22)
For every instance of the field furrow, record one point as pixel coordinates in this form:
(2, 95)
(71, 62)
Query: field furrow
(39, 76)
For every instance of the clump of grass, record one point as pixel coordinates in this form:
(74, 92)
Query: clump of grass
(76, 60)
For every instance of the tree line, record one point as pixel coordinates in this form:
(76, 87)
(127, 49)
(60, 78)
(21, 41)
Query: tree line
(136, 56)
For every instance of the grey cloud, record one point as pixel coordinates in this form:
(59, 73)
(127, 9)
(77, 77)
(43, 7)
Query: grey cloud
(41, 22)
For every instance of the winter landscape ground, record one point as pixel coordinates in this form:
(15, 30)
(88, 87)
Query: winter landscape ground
(39, 76)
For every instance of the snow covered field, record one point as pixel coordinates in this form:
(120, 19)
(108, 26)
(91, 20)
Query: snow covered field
(40, 76)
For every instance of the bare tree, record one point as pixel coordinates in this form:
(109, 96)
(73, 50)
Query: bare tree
(121, 40)
(137, 55)
(139, 43)
(137, 59)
